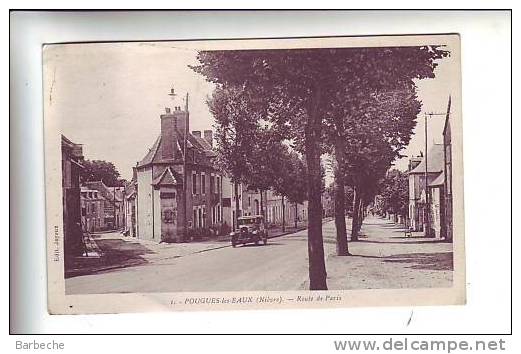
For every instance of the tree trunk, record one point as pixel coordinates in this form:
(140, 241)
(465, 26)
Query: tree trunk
(262, 207)
(354, 223)
(313, 129)
(296, 212)
(340, 208)
(236, 191)
(360, 214)
(283, 216)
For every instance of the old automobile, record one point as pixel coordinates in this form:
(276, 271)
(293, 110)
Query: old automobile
(251, 229)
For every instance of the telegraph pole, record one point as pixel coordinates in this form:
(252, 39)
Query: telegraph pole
(185, 175)
(426, 217)
(427, 205)
(185, 184)
(114, 201)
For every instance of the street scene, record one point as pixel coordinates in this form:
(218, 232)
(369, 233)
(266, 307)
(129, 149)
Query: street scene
(384, 259)
(187, 170)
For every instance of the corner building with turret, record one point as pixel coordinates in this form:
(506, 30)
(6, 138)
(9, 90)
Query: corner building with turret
(172, 174)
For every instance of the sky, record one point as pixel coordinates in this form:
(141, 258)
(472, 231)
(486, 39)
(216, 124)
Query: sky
(108, 97)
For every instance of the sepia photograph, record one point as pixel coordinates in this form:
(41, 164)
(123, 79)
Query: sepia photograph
(254, 173)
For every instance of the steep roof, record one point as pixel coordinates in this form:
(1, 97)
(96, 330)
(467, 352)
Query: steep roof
(435, 161)
(193, 142)
(149, 157)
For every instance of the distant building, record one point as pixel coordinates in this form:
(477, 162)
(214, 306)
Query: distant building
(418, 187)
(112, 209)
(437, 206)
(92, 210)
(273, 208)
(292, 211)
(72, 157)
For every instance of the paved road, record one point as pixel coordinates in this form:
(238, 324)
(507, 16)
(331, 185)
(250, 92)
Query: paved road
(280, 265)
(382, 259)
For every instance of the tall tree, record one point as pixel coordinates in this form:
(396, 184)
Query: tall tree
(297, 86)
(366, 113)
(381, 133)
(236, 122)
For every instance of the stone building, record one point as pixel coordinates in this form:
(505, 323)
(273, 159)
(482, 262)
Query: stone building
(250, 204)
(419, 187)
(112, 209)
(276, 207)
(92, 210)
(167, 183)
(72, 157)
(437, 206)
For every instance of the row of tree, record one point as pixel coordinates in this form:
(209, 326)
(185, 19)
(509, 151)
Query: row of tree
(252, 151)
(279, 111)
(393, 195)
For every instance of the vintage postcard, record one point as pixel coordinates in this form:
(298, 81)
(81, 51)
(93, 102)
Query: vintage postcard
(254, 174)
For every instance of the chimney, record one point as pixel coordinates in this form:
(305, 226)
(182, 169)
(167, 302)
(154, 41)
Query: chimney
(172, 125)
(208, 136)
(196, 133)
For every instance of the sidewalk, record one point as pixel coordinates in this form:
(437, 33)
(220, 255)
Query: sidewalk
(385, 259)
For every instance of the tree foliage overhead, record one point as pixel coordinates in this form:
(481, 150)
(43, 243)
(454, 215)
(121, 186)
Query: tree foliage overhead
(282, 81)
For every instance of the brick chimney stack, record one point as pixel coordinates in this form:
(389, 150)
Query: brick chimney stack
(173, 125)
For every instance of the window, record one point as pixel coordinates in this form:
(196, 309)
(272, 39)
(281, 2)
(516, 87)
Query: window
(194, 183)
(212, 184)
(203, 183)
(218, 185)
(195, 217)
